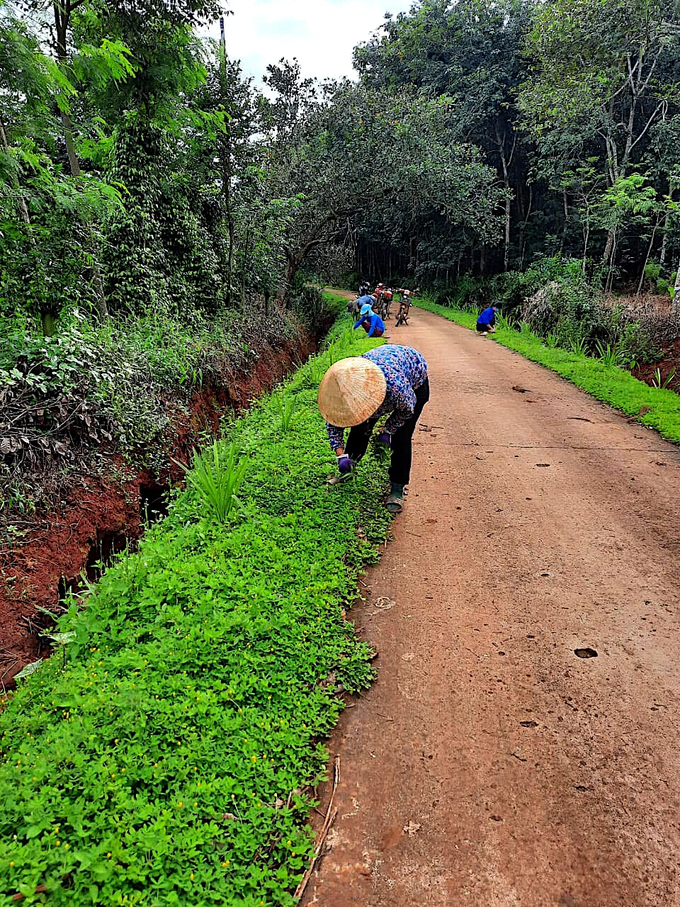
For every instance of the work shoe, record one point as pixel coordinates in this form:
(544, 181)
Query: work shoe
(395, 499)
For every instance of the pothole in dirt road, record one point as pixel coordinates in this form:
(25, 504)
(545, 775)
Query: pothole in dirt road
(585, 653)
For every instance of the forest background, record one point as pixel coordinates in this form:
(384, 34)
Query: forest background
(157, 208)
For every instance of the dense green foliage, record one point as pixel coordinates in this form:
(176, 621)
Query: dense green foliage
(141, 172)
(576, 106)
(122, 384)
(603, 378)
(166, 758)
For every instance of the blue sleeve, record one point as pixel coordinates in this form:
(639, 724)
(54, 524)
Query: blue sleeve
(359, 322)
(374, 325)
(336, 435)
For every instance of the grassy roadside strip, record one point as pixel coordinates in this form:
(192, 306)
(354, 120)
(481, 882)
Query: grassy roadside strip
(608, 383)
(165, 757)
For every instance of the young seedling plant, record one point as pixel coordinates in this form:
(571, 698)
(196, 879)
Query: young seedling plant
(216, 477)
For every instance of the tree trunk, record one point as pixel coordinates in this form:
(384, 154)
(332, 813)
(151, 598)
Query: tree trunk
(565, 226)
(246, 255)
(675, 304)
(644, 266)
(505, 165)
(225, 149)
(506, 245)
(609, 248)
(612, 256)
(664, 241)
(586, 240)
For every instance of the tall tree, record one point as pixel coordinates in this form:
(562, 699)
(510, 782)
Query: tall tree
(605, 70)
(471, 52)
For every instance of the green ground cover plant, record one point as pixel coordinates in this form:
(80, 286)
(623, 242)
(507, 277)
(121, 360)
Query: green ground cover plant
(166, 757)
(600, 378)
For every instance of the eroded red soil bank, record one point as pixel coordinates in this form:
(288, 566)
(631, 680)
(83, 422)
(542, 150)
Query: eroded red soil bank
(102, 514)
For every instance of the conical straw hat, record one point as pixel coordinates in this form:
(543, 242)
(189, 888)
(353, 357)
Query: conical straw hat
(351, 391)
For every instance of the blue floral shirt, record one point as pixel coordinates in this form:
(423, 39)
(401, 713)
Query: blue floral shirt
(405, 370)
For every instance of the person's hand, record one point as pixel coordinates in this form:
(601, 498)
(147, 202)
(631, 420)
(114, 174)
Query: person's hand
(345, 465)
(385, 438)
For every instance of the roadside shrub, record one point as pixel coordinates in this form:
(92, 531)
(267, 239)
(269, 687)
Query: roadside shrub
(316, 310)
(97, 382)
(559, 302)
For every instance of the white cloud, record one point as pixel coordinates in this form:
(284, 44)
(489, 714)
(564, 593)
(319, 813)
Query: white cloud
(320, 33)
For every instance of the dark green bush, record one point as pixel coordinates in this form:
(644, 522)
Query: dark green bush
(563, 306)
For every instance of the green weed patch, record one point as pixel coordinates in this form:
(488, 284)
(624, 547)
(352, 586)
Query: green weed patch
(165, 757)
(609, 383)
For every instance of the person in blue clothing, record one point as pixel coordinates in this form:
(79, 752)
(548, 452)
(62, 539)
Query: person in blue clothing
(370, 322)
(367, 299)
(487, 320)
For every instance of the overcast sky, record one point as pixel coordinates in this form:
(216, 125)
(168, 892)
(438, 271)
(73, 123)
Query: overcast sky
(320, 33)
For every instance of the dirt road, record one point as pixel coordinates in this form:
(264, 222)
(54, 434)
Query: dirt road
(489, 765)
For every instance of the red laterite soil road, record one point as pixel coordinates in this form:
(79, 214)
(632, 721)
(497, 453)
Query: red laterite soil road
(489, 765)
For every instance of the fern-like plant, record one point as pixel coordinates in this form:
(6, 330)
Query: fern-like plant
(290, 415)
(217, 476)
(608, 353)
(658, 381)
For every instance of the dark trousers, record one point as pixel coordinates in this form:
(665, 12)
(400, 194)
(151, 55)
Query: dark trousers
(402, 447)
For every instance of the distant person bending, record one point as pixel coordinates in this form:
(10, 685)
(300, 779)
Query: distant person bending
(370, 322)
(487, 320)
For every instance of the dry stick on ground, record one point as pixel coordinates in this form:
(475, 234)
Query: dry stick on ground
(330, 818)
(41, 889)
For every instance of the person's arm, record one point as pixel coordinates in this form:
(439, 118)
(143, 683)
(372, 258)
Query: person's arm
(374, 325)
(336, 437)
(358, 323)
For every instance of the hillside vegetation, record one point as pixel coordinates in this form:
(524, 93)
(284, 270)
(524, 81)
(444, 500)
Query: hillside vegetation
(166, 754)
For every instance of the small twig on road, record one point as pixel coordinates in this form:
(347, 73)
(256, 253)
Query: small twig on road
(330, 818)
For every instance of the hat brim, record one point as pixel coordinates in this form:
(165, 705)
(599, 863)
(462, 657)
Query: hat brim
(351, 391)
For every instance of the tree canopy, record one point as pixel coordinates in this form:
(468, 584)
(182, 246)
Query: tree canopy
(140, 170)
